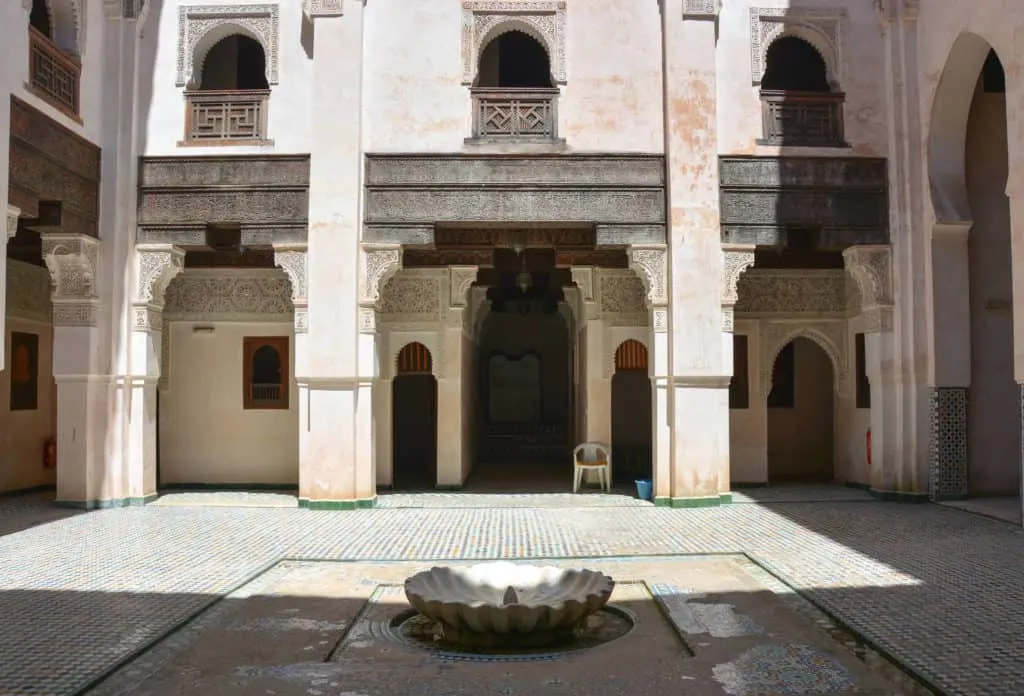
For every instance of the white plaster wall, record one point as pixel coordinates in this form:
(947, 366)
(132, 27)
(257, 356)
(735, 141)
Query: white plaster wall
(852, 423)
(415, 100)
(22, 433)
(162, 102)
(748, 452)
(862, 64)
(205, 434)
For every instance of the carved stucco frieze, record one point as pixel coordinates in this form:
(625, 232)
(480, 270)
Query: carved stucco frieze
(819, 27)
(831, 336)
(409, 297)
(71, 260)
(378, 263)
(483, 20)
(792, 291)
(462, 279)
(200, 27)
(622, 292)
(239, 295)
(871, 269)
(651, 264)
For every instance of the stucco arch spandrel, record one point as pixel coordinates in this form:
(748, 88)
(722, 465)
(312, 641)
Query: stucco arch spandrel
(830, 337)
(818, 27)
(377, 263)
(485, 20)
(155, 268)
(736, 261)
(651, 264)
(200, 27)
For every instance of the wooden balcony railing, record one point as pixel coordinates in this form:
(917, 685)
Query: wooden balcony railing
(515, 113)
(218, 117)
(802, 118)
(53, 74)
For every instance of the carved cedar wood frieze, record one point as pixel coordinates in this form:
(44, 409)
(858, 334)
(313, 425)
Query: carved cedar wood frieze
(846, 198)
(623, 195)
(50, 163)
(267, 195)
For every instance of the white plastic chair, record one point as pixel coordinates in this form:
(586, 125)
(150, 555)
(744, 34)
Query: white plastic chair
(592, 456)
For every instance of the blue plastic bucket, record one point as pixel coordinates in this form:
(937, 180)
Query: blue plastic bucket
(644, 489)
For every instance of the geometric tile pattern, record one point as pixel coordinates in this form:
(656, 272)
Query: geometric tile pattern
(940, 590)
(948, 477)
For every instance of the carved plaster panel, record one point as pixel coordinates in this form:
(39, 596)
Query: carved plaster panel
(256, 295)
(484, 20)
(462, 279)
(323, 8)
(200, 27)
(829, 335)
(701, 9)
(659, 320)
(292, 260)
(407, 296)
(378, 263)
(737, 260)
(819, 27)
(28, 292)
(156, 267)
(791, 291)
(650, 263)
(622, 293)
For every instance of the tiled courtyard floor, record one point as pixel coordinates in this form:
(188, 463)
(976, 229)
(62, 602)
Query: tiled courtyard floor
(939, 589)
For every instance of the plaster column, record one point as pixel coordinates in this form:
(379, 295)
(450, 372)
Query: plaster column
(293, 260)
(661, 398)
(10, 229)
(449, 403)
(155, 267)
(334, 383)
(383, 424)
(84, 393)
(737, 259)
(871, 268)
(690, 286)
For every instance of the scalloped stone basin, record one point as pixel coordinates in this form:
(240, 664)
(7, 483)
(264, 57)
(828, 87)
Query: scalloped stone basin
(508, 604)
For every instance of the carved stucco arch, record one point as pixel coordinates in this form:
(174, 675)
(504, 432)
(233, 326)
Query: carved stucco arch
(485, 20)
(947, 131)
(201, 27)
(378, 263)
(776, 337)
(818, 27)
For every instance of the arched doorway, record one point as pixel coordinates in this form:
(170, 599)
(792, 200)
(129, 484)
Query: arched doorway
(631, 413)
(414, 432)
(801, 404)
(977, 452)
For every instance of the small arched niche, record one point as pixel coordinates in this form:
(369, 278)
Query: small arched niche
(229, 102)
(798, 103)
(514, 93)
(414, 414)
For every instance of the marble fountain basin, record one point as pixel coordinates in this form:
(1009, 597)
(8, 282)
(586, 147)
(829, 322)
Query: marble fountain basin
(508, 604)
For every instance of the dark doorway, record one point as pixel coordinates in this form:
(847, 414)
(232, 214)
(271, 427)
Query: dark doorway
(514, 60)
(631, 414)
(414, 433)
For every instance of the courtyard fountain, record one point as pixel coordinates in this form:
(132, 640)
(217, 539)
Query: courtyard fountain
(509, 606)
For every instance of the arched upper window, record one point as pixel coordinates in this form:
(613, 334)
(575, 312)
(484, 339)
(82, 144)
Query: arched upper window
(265, 373)
(514, 60)
(799, 105)
(39, 18)
(235, 62)
(229, 105)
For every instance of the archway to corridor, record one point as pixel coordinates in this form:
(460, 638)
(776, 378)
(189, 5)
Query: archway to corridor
(801, 441)
(414, 430)
(631, 413)
(978, 447)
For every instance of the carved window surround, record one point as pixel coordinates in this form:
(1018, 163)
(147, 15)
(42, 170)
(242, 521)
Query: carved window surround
(483, 20)
(200, 27)
(818, 27)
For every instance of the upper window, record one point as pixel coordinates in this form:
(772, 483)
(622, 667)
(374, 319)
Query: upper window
(514, 94)
(229, 105)
(54, 68)
(798, 103)
(265, 374)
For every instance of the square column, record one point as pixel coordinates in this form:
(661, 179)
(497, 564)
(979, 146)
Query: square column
(10, 229)
(335, 366)
(454, 417)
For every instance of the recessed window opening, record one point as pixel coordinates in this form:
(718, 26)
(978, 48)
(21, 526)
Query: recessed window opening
(515, 60)
(793, 65)
(235, 63)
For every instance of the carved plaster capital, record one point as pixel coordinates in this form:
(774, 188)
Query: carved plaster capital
(71, 260)
(291, 258)
(651, 263)
(871, 268)
(583, 276)
(367, 320)
(659, 320)
(462, 279)
(737, 260)
(728, 318)
(377, 263)
(155, 267)
(13, 213)
(323, 8)
(701, 9)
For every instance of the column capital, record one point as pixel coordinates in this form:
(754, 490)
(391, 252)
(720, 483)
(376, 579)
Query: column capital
(155, 267)
(870, 266)
(462, 279)
(322, 8)
(701, 9)
(71, 260)
(293, 259)
(737, 259)
(650, 261)
(13, 213)
(377, 263)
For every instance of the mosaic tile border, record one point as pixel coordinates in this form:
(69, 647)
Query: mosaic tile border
(948, 475)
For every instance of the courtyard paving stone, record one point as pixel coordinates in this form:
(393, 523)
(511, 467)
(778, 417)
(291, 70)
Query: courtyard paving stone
(939, 589)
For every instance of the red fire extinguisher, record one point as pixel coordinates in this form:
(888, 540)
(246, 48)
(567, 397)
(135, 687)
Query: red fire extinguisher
(50, 453)
(869, 446)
